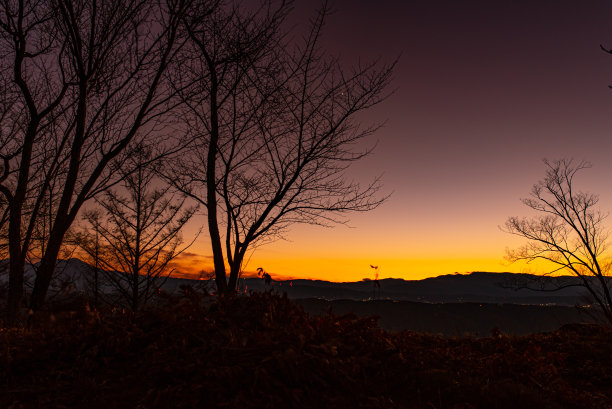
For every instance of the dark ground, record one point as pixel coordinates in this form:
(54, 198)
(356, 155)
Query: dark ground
(456, 319)
(264, 351)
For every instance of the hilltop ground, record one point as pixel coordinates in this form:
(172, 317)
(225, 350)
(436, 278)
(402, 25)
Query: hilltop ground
(264, 351)
(457, 319)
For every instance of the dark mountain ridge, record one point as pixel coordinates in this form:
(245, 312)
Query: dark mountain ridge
(473, 287)
(477, 287)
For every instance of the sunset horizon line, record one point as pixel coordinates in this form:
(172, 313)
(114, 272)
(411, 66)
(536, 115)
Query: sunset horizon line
(253, 274)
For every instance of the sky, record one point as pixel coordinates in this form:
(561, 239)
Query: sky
(483, 92)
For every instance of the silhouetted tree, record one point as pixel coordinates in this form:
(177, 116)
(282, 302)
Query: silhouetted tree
(87, 81)
(8, 122)
(137, 234)
(274, 130)
(90, 242)
(568, 232)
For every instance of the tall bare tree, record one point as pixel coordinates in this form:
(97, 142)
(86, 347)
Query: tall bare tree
(9, 120)
(90, 243)
(274, 128)
(88, 80)
(137, 234)
(569, 231)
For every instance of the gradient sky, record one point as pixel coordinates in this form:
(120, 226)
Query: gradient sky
(484, 91)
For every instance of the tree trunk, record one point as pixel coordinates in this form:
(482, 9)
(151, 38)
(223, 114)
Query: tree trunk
(46, 269)
(235, 271)
(135, 290)
(136, 266)
(96, 271)
(17, 249)
(63, 216)
(211, 192)
(16, 263)
(15, 290)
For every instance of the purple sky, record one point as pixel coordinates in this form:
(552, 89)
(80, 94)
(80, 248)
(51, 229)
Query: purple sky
(485, 91)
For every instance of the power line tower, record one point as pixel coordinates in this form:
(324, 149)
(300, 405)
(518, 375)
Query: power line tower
(375, 284)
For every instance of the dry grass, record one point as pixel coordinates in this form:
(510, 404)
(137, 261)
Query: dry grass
(263, 351)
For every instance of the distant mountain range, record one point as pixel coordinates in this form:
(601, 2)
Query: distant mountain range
(476, 287)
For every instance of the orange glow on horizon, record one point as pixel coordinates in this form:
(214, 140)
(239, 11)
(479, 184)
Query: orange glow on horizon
(355, 269)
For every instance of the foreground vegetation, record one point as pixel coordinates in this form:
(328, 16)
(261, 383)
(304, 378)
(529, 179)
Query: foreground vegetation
(263, 351)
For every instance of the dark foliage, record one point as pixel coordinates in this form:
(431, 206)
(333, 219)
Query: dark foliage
(263, 351)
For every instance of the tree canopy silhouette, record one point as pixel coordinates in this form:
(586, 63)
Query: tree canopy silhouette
(270, 121)
(135, 233)
(85, 80)
(274, 129)
(568, 232)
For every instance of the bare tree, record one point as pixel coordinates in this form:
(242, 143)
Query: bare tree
(137, 235)
(90, 244)
(88, 81)
(569, 231)
(274, 130)
(9, 119)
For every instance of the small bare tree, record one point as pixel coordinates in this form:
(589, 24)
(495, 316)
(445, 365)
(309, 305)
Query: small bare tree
(90, 250)
(569, 231)
(137, 235)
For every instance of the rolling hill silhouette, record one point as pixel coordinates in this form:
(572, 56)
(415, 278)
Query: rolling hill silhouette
(476, 287)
